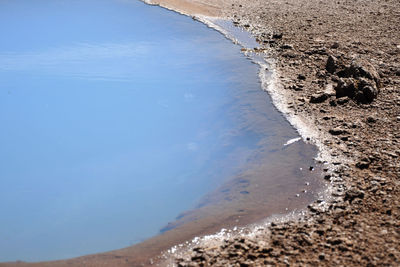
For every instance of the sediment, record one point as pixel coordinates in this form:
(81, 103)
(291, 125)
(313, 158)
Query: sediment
(337, 69)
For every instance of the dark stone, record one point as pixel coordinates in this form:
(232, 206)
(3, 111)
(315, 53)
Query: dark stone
(364, 69)
(343, 100)
(313, 208)
(335, 241)
(286, 46)
(370, 93)
(198, 249)
(289, 55)
(198, 258)
(353, 194)
(360, 69)
(333, 103)
(344, 138)
(251, 256)
(335, 45)
(331, 64)
(337, 131)
(318, 98)
(346, 87)
(364, 164)
(371, 119)
(360, 89)
(277, 35)
(317, 51)
(301, 77)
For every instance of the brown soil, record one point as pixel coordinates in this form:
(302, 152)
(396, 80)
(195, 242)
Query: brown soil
(353, 102)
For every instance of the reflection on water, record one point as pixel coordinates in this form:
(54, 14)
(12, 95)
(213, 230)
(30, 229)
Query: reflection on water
(116, 117)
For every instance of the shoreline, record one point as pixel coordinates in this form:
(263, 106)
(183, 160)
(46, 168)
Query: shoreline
(270, 83)
(118, 256)
(356, 134)
(357, 222)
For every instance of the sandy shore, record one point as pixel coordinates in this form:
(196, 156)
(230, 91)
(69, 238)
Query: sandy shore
(338, 81)
(338, 67)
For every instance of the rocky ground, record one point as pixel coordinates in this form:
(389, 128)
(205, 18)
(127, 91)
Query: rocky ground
(339, 66)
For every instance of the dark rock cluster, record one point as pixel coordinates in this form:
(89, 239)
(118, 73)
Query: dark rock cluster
(359, 81)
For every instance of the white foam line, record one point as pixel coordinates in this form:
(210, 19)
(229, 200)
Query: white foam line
(291, 141)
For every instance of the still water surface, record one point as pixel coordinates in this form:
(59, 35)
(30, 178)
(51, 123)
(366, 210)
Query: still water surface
(115, 117)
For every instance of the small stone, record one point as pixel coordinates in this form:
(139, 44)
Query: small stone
(318, 98)
(331, 64)
(286, 46)
(277, 35)
(363, 164)
(336, 131)
(301, 77)
(342, 100)
(344, 138)
(251, 256)
(335, 45)
(370, 92)
(371, 119)
(353, 194)
(313, 208)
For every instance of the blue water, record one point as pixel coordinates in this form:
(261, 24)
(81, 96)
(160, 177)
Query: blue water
(115, 117)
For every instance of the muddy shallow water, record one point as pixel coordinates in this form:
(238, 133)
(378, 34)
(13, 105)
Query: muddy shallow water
(121, 121)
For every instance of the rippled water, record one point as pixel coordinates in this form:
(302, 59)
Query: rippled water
(116, 117)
